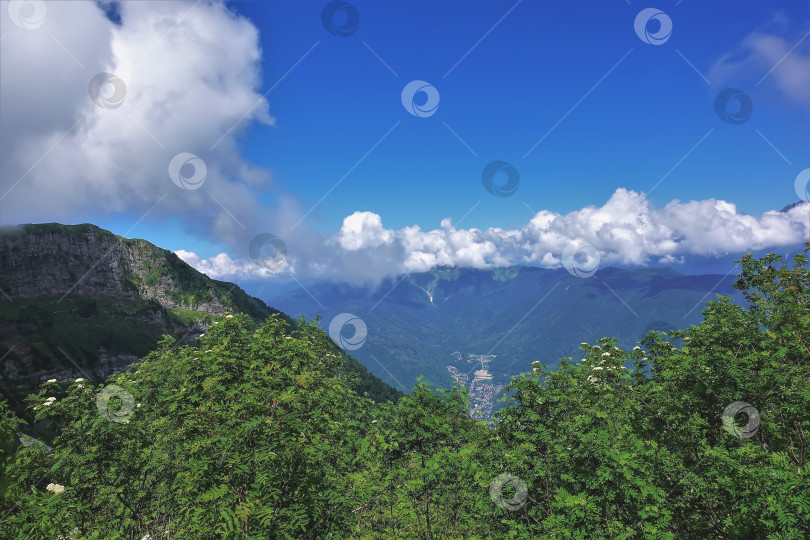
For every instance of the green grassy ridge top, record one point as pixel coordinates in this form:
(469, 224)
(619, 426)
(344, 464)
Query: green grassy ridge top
(44, 228)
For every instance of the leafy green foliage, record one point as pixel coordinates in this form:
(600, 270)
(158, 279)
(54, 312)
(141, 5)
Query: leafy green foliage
(260, 432)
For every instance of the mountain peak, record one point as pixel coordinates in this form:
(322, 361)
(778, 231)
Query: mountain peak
(793, 205)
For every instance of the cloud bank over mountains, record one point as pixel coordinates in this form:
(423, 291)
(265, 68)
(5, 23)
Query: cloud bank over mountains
(626, 230)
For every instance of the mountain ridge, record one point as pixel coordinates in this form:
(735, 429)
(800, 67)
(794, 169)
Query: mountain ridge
(137, 269)
(80, 301)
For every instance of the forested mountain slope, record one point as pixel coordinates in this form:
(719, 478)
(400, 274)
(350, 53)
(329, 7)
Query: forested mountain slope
(79, 301)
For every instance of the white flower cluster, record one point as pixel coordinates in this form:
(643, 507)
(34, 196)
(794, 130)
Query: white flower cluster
(50, 401)
(50, 381)
(593, 380)
(56, 489)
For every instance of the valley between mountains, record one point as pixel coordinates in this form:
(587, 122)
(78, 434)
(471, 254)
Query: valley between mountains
(85, 302)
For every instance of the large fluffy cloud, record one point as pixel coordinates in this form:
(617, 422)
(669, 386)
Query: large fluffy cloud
(188, 89)
(363, 230)
(626, 230)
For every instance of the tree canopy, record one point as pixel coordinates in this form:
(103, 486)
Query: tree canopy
(259, 432)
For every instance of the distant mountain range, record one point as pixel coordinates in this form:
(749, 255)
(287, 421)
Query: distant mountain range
(482, 327)
(79, 301)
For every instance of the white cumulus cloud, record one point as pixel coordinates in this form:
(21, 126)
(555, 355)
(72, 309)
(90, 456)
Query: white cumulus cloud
(363, 229)
(626, 230)
(222, 266)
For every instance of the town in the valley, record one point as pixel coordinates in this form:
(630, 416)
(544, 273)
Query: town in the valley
(478, 381)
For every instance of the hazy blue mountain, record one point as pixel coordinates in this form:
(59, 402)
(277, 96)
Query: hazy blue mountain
(420, 324)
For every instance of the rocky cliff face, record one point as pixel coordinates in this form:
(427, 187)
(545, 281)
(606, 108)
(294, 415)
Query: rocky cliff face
(53, 260)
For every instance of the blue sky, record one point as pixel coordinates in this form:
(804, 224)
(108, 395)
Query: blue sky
(505, 95)
(612, 112)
